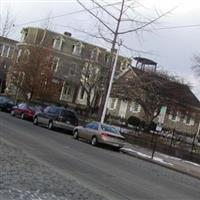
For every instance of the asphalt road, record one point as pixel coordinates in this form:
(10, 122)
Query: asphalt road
(106, 172)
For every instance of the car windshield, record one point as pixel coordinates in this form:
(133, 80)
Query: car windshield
(109, 129)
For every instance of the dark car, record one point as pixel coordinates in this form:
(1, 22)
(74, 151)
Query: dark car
(25, 110)
(56, 117)
(6, 103)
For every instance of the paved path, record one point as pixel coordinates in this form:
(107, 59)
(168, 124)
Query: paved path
(105, 172)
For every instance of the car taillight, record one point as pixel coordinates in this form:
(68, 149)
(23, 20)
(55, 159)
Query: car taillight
(104, 136)
(30, 111)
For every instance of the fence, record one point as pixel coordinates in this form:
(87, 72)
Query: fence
(171, 144)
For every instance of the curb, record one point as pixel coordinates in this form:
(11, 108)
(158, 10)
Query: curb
(161, 164)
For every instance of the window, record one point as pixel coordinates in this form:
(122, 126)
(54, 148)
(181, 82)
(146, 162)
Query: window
(174, 116)
(95, 54)
(135, 107)
(24, 33)
(92, 125)
(73, 69)
(6, 50)
(11, 52)
(1, 49)
(188, 120)
(82, 93)
(55, 64)
(19, 55)
(57, 43)
(109, 129)
(76, 49)
(113, 103)
(107, 58)
(123, 65)
(67, 89)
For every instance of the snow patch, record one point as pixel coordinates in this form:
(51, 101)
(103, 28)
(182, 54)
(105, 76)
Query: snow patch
(192, 163)
(162, 161)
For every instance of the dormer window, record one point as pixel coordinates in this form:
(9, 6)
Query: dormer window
(24, 34)
(123, 65)
(6, 51)
(95, 54)
(77, 49)
(57, 43)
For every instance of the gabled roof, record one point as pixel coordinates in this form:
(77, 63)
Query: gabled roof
(175, 91)
(179, 92)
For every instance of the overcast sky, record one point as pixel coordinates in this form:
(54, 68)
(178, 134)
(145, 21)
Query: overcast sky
(172, 48)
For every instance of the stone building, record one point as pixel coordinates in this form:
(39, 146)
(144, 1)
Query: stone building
(70, 57)
(7, 47)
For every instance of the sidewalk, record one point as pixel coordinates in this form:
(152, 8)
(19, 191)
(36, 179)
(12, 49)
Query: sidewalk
(173, 163)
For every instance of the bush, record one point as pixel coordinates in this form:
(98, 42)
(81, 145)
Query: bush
(134, 121)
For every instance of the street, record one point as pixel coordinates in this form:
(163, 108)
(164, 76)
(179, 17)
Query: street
(108, 173)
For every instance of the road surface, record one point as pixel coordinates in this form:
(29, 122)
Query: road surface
(111, 174)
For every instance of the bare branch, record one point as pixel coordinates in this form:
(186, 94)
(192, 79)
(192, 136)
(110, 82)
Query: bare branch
(147, 24)
(100, 20)
(100, 6)
(7, 23)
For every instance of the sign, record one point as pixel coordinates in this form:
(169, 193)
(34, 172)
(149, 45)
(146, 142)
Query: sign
(161, 118)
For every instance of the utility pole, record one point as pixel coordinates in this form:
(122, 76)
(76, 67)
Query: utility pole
(110, 86)
(103, 104)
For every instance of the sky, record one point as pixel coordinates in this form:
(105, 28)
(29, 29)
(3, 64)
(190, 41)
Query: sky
(171, 41)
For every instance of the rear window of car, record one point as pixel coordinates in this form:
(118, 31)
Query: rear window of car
(109, 129)
(68, 114)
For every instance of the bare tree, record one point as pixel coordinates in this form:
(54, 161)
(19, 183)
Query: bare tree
(6, 22)
(151, 90)
(196, 65)
(92, 82)
(32, 73)
(48, 23)
(115, 27)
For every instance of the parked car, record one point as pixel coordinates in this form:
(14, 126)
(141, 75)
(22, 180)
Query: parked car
(56, 117)
(25, 110)
(98, 133)
(6, 103)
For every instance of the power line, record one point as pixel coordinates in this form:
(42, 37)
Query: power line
(177, 27)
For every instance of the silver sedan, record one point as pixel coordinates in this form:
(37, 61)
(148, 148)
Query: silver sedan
(98, 133)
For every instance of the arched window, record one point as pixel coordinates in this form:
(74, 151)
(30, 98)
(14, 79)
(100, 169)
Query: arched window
(124, 65)
(77, 49)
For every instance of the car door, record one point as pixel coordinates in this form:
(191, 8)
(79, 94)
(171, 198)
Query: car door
(43, 115)
(19, 108)
(90, 130)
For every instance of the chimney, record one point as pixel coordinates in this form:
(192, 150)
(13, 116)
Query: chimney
(67, 34)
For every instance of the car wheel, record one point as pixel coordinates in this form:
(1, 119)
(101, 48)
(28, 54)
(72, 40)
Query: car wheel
(94, 141)
(12, 113)
(50, 125)
(35, 121)
(22, 116)
(75, 136)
